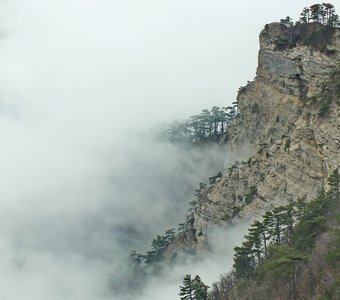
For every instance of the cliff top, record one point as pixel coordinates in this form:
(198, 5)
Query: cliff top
(278, 36)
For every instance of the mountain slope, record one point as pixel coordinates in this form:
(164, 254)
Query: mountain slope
(290, 121)
(292, 254)
(288, 127)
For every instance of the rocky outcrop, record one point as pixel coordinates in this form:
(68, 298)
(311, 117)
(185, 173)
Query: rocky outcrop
(293, 144)
(184, 244)
(293, 147)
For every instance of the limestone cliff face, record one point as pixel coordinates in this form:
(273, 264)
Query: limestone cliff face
(292, 146)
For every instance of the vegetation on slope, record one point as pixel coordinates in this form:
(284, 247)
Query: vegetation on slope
(286, 254)
(206, 126)
(330, 92)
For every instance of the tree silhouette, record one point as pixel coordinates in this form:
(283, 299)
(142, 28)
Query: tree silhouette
(305, 15)
(193, 289)
(288, 22)
(322, 13)
(186, 290)
(135, 259)
(334, 183)
(201, 127)
(316, 13)
(216, 118)
(200, 290)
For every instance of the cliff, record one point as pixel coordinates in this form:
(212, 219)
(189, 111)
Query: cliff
(289, 122)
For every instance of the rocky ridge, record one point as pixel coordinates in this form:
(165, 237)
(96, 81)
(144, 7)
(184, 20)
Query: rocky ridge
(293, 143)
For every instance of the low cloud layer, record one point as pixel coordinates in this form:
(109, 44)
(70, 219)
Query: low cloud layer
(72, 238)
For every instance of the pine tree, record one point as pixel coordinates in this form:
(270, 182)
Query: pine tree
(135, 259)
(288, 22)
(193, 289)
(186, 291)
(181, 227)
(194, 123)
(316, 12)
(255, 235)
(305, 15)
(206, 123)
(243, 261)
(223, 118)
(216, 117)
(200, 290)
(169, 236)
(334, 183)
(300, 207)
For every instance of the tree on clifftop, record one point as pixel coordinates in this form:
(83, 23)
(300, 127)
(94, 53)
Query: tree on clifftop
(323, 13)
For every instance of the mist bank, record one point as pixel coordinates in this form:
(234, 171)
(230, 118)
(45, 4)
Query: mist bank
(69, 218)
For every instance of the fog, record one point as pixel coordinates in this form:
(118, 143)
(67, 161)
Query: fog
(82, 180)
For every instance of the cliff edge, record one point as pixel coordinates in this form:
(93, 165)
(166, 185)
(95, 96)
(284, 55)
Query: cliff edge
(289, 121)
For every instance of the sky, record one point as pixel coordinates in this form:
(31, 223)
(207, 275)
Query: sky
(81, 84)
